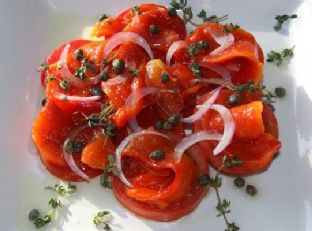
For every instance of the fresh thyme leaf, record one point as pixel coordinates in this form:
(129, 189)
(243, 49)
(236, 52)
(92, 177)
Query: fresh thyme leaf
(62, 190)
(102, 219)
(223, 207)
(195, 68)
(54, 202)
(136, 10)
(65, 84)
(231, 161)
(194, 49)
(230, 27)
(279, 57)
(106, 110)
(213, 18)
(44, 67)
(232, 227)
(280, 19)
(71, 146)
(102, 17)
(110, 168)
(50, 78)
(41, 222)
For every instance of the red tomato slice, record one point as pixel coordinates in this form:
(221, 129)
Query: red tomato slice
(256, 153)
(49, 133)
(55, 55)
(164, 197)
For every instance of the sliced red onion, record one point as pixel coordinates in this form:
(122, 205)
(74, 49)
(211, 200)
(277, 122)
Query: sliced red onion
(121, 37)
(68, 157)
(66, 74)
(229, 127)
(119, 79)
(135, 96)
(215, 81)
(220, 70)
(123, 145)
(62, 96)
(204, 108)
(224, 39)
(188, 141)
(173, 48)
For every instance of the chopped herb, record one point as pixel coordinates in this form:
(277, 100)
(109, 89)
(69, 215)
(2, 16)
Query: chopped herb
(33, 214)
(213, 18)
(136, 10)
(164, 77)
(102, 17)
(96, 91)
(194, 49)
(204, 180)
(280, 92)
(44, 101)
(223, 207)
(50, 78)
(154, 29)
(167, 126)
(251, 190)
(65, 84)
(79, 54)
(172, 12)
(44, 67)
(230, 27)
(134, 73)
(195, 68)
(102, 218)
(239, 182)
(280, 19)
(118, 66)
(279, 57)
(102, 117)
(157, 155)
(231, 161)
(54, 202)
(41, 222)
(109, 129)
(62, 190)
(110, 168)
(174, 119)
(71, 146)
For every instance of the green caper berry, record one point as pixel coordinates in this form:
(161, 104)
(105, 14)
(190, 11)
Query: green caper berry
(174, 119)
(118, 66)
(159, 124)
(280, 92)
(43, 101)
(234, 99)
(251, 190)
(154, 29)
(239, 182)
(104, 76)
(167, 125)
(172, 12)
(157, 155)
(164, 77)
(102, 17)
(204, 180)
(79, 54)
(96, 91)
(33, 214)
(65, 84)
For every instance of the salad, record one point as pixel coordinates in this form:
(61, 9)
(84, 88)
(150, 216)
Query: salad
(150, 107)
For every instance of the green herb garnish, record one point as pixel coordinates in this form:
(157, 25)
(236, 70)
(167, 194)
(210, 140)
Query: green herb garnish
(279, 57)
(105, 180)
(280, 19)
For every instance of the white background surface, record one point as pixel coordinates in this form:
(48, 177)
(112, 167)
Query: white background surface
(30, 29)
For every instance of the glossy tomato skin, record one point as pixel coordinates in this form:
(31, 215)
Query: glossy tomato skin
(49, 132)
(161, 203)
(256, 153)
(54, 56)
(93, 52)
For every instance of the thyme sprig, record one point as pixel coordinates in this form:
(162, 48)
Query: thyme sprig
(223, 205)
(280, 19)
(102, 219)
(280, 57)
(105, 180)
(188, 13)
(55, 202)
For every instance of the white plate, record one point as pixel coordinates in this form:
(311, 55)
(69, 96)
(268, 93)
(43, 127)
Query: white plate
(31, 29)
